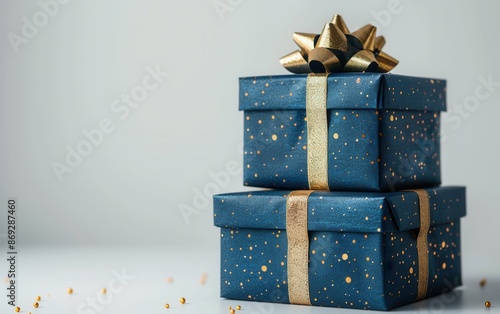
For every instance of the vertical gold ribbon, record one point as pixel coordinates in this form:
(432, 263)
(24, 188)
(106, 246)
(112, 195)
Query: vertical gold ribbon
(317, 131)
(298, 247)
(422, 244)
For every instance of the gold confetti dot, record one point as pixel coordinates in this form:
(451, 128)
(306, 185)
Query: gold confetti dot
(69, 290)
(487, 304)
(411, 270)
(182, 300)
(103, 290)
(444, 266)
(335, 136)
(264, 268)
(443, 245)
(38, 298)
(170, 279)
(274, 137)
(348, 279)
(229, 307)
(35, 305)
(238, 307)
(345, 256)
(17, 309)
(232, 311)
(167, 305)
(483, 282)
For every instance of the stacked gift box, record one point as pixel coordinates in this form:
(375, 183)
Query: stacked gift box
(356, 216)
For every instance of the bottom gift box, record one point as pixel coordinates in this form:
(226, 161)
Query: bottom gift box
(360, 250)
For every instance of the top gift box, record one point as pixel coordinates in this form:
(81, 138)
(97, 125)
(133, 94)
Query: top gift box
(341, 131)
(370, 131)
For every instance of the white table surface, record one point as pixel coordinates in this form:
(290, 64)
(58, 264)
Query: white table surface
(48, 272)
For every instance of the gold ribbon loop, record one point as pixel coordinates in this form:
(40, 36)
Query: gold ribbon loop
(298, 247)
(422, 244)
(334, 49)
(317, 131)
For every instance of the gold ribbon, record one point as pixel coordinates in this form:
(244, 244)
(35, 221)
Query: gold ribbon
(298, 247)
(317, 131)
(422, 244)
(338, 50)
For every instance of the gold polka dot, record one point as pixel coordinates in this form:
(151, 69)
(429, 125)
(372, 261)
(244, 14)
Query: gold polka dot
(248, 117)
(348, 279)
(391, 118)
(260, 121)
(345, 256)
(274, 137)
(264, 268)
(411, 270)
(367, 259)
(304, 147)
(335, 136)
(443, 245)
(444, 265)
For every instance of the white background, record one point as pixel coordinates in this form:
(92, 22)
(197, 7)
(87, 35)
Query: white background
(65, 74)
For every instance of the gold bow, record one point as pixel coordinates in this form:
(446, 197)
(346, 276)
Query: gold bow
(338, 50)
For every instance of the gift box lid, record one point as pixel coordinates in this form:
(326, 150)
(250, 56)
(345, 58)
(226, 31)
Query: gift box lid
(368, 212)
(345, 91)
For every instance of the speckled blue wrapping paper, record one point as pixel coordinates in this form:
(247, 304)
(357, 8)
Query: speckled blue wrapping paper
(362, 246)
(383, 131)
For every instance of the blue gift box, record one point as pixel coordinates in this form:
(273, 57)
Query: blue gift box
(383, 131)
(363, 248)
